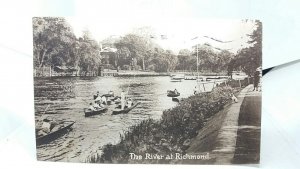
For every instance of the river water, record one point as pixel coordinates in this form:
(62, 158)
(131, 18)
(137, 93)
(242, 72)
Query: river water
(65, 97)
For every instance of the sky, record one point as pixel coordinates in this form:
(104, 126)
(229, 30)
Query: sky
(171, 33)
(170, 18)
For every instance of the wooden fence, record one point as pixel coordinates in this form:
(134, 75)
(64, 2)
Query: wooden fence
(47, 71)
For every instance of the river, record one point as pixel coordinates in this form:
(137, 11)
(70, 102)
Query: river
(65, 97)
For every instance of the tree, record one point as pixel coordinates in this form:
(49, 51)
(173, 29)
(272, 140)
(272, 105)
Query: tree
(89, 53)
(184, 56)
(52, 40)
(139, 47)
(249, 59)
(223, 59)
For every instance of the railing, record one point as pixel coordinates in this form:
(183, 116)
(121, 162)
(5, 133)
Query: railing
(47, 71)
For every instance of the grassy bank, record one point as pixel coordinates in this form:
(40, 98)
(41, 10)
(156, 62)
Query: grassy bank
(171, 134)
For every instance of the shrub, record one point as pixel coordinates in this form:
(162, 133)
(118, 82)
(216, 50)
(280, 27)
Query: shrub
(170, 134)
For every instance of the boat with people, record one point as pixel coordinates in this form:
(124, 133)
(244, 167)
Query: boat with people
(89, 112)
(52, 135)
(126, 109)
(173, 93)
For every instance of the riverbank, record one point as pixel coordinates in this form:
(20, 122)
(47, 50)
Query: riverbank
(140, 74)
(50, 72)
(218, 137)
(247, 149)
(171, 134)
(145, 74)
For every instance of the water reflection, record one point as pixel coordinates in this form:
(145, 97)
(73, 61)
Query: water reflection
(68, 96)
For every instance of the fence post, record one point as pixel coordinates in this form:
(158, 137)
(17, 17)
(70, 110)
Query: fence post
(240, 83)
(50, 71)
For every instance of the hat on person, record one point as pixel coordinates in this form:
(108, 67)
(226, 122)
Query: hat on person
(46, 119)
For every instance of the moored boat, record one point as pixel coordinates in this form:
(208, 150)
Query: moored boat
(55, 134)
(190, 77)
(175, 80)
(174, 99)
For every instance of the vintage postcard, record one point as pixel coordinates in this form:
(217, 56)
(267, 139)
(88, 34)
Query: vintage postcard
(176, 91)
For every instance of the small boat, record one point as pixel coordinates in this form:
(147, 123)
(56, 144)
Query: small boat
(174, 99)
(190, 77)
(108, 95)
(125, 110)
(175, 80)
(88, 112)
(55, 134)
(171, 93)
(177, 76)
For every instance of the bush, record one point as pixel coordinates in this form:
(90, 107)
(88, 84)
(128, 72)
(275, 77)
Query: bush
(126, 67)
(170, 134)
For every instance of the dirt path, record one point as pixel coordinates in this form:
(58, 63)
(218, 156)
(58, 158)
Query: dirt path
(247, 147)
(233, 134)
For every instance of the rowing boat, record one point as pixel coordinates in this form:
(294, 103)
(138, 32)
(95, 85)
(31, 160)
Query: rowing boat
(54, 134)
(171, 93)
(125, 110)
(88, 112)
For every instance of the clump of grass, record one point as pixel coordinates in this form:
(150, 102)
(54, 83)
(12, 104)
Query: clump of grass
(172, 133)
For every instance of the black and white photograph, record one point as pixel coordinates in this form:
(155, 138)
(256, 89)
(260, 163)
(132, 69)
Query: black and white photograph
(153, 91)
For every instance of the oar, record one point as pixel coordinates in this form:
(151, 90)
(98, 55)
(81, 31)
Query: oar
(85, 101)
(44, 112)
(162, 94)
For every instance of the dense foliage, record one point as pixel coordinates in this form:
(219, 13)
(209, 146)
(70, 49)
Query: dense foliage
(249, 59)
(172, 133)
(54, 44)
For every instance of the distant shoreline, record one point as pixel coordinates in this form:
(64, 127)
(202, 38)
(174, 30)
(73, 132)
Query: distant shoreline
(138, 74)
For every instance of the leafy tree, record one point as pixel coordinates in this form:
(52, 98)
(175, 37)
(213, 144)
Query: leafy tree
(89, 53)
(52, 40)
(249, 59)
(139, 47)
(184, 56)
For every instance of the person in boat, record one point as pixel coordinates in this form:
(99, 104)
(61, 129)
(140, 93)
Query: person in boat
(117, 100)
(103, 100)
(97, 95)
(98, 99)
(122, 100)
(111, 93)
(92, 107)
(175, 91)
(129, 103)
(47, 126)
(96, 105)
